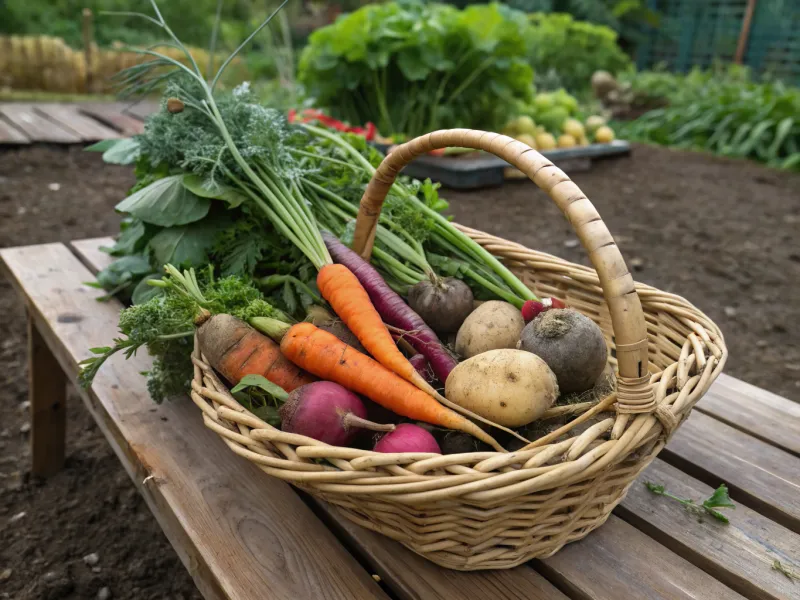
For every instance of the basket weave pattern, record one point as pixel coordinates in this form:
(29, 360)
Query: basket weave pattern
(491, 510)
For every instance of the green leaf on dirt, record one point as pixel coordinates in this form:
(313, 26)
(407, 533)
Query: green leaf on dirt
(205, 187)
(166, 202)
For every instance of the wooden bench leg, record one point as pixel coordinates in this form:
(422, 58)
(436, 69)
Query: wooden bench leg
(47, 389)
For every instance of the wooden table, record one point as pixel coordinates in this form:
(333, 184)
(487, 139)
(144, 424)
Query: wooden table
(244, 535)
(71, 123)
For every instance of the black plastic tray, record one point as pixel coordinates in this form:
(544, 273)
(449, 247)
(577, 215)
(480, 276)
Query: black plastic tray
(486, 170)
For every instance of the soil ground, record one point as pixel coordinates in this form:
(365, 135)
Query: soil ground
(722, 233)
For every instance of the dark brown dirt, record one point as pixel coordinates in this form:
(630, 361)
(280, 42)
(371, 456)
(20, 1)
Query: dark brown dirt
(722, 233)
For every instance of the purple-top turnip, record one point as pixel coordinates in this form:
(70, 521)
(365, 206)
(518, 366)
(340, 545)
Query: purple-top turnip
(407, 437)
(327, 412)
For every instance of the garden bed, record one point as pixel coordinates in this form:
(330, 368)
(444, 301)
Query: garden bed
(733, 221)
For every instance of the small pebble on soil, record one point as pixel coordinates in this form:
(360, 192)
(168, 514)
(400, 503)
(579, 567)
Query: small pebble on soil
(91, 559)
(104, 594)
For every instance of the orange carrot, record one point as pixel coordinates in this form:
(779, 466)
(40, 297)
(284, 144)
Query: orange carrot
(235, 349)
(348, 298)
(326, 356)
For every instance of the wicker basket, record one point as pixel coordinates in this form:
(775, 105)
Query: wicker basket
(490, 510)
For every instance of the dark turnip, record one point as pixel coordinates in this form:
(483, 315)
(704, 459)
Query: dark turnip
(407, 437)
(443, 304)
(327, 412)
(571, 344)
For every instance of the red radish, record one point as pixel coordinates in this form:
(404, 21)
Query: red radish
(423, 367)
(533, 308)
(327, 412)
(408, 438)
(393, 309)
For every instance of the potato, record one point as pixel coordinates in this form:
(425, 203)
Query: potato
(509, 387)
(492, 325)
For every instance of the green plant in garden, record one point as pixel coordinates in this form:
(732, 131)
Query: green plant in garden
(725, 112)
(413, 67)
(573, 49)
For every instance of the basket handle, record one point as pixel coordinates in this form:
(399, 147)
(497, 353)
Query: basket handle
(634, 392)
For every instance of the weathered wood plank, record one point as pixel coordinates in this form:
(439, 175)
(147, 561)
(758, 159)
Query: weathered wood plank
(89, 253)
(112, 115)
(10, 134)
(412, 577)
(762, 414)
(241, 534)
(70, 118)
(141, 110)
(761, 476)
(618, 561)
(47, 392)
(740, 554)
(35, 126)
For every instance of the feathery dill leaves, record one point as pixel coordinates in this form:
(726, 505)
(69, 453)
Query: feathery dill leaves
(190, 141)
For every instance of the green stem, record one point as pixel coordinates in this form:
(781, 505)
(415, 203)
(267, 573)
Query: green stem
(273, 281)
(270, 327)
(495, 289)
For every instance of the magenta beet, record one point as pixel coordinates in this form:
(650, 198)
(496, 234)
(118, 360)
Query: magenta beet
(407, 438)
(393, 309)
(327, 412)
(423, 367)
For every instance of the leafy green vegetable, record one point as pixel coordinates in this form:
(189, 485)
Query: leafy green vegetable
(187, 245)
(123, 151)
(719, 499)
(132, 239)
(164, 323)
(122, 273)
(723, 111)
(261, 397)
(166, 202)
(210, 188)
(414, 67)
(573, 49)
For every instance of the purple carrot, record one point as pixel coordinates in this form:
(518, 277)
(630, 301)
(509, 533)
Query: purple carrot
(423, 367)
(393, 309)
